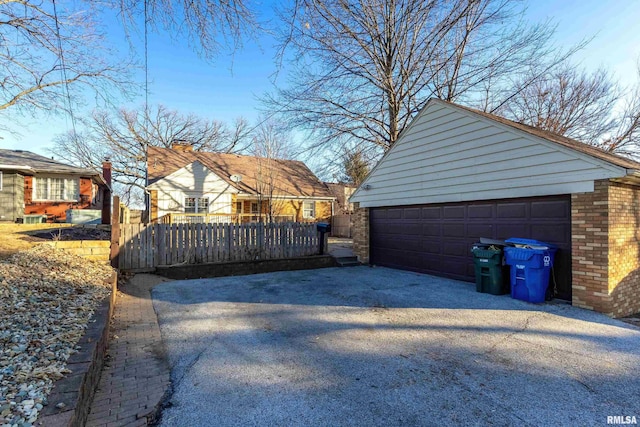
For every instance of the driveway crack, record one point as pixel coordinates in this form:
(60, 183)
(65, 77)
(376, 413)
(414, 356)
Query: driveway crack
(512, 334)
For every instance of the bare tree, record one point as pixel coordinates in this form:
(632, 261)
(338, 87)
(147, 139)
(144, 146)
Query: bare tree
(270, 145)
(569, 102)
(363, 69)
(123, 138)
(208, 25)
(45, 52)
(625, 139)
(589, 107)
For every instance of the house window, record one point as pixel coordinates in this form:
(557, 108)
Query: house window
(56, 189)
(308, 209)
(254, 207)
(196, 204)
(238, 207)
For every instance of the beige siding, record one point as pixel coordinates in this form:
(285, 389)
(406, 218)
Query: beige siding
(194, 180)
(11, 196)
(450, 155)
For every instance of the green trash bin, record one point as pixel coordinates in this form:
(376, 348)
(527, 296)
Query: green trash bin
(492, 276)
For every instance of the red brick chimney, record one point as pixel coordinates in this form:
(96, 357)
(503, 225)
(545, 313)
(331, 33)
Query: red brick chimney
(106, 195)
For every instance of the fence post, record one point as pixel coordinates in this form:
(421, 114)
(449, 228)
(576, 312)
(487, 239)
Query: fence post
(260, 237)
(114, 254)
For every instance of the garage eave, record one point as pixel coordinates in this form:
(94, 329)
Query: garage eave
(632, 177)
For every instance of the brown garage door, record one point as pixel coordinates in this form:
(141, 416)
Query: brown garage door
(436, 239)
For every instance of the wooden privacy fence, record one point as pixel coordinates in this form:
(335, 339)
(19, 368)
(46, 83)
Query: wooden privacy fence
(144, 247)
(341, 225)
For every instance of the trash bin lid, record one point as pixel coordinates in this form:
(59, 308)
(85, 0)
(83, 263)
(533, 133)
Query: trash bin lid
(530, 243)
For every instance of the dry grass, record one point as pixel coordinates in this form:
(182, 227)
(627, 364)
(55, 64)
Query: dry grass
(17, 237)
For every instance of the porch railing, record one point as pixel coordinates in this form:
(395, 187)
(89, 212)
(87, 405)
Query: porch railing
(205, 218)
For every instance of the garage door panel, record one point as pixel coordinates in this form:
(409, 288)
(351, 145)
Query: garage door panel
(549, 210)
(411, 245)
(430, 229)
(377, 215)
(480, 211)
(451, 266)
(511, 210)
(412, 229)
(396, 228)
(470, 270)
(412, 213)
(432, 213)
(504, 231)
(394, 214)
(455, 248)
(453, 230)
(430, 246)
(550, 233)
(453, 212)
(479, 230)
(440, 240)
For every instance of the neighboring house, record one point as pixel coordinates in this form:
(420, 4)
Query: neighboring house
(190, 186)
(31, 184)
(458, 174)
(342, 209)
(341, 192)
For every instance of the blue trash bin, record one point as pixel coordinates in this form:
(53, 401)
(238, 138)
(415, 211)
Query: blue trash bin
(530, 264)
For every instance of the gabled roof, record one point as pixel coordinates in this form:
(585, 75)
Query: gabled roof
(451, 153)
(290, 177)
(35, 163)
(553, 137)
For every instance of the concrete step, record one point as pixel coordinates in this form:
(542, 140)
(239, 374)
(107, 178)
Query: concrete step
(347, 261)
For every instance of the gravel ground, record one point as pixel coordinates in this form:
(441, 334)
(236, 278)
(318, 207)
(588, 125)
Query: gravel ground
(46, 299)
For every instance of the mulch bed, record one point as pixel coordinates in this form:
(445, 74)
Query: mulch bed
(73, 233)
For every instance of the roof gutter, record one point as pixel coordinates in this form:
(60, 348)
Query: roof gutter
(17, 167)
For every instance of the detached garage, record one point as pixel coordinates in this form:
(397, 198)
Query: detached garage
(458, 174)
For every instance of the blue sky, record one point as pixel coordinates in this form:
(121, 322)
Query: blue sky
(227, 88)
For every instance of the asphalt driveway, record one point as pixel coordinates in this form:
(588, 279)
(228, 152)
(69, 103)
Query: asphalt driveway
(376, 346)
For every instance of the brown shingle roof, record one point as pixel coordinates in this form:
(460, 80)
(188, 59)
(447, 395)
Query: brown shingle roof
(558, 139)
(290, 177)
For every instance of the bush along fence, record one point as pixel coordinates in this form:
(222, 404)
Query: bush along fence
(143, 247)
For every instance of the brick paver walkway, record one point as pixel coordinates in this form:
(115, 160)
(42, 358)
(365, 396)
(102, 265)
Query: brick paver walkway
(136, 374)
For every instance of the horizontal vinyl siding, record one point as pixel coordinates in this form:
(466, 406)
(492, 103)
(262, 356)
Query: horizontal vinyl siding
(451, 155)
(11, 197)
(194, 180)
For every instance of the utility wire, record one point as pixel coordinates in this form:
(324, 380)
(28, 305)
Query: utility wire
(64, 70)
(147, 196)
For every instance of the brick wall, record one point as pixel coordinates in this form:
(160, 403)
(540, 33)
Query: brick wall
(624, 249)
(361, 233)
(605, 249)
(589, 248)
(57, 211)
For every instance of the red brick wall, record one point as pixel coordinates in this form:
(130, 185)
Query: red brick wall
(56, 211)
(606, 248)
(361, 233)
